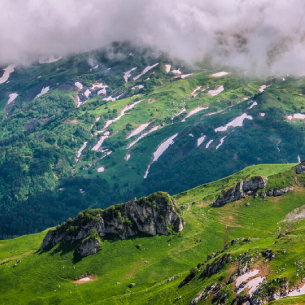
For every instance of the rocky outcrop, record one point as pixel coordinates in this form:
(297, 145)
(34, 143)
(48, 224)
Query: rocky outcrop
(216, 265)
(300, 168)
(233, 194)
(155, 214)
(279, 192)
(88, 247)
(240, 190)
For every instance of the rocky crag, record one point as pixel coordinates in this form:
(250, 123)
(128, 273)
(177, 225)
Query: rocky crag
(155, 214)
(249, 188)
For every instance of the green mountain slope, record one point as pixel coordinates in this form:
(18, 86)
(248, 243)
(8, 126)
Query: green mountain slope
(268, 234)
(51, 166)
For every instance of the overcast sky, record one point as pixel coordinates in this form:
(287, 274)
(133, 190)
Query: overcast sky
(243, 33)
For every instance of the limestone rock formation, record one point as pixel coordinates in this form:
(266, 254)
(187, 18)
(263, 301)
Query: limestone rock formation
(88, 247)
(155, 214)
(240, 190)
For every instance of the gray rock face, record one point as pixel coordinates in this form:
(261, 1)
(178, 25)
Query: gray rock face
(254, 184)
(300, 169)
(216, 265)
(238, 191)
(88, 247)
(233, 194)
(155, 214)
(279, 192)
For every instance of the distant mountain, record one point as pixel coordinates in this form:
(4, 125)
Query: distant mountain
(118, 123)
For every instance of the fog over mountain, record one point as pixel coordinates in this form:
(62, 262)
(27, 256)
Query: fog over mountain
(255, 35)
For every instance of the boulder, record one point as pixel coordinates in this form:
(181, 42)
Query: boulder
(300, 169)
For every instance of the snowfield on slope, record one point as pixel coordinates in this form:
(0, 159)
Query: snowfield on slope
(220, 74)
(299, 116)
(12, 97)
(145, 71)
(237, 122)
(109, 122)
(221, 142)
(7, 71)
(141, 137)
(137, 130)
(128, 74)
(79, 152)
(160, 150)
(43, 91)
(48, 59)
(200, 140)
(194, 111)
(216, 91)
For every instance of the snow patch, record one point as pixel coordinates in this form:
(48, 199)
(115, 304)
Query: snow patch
(43, 91)
(101, 169)
(221, 142)
(138, 130)
(254, 104)
(138, 86)
(127, 157)
(7, 71)
(100, 142)
(262, 114)
(193, 94)
(95, 67)
(237, 122)
(48, 59)
(160, 150)
(109, 122)
(262, 88)
(141, 137)
(216, 91)
(186, 75)
(200, 140)
(299, 116)
(96, 86)
(181, 111)
(168, 68)
(112, 99)
(79, 152)
(254, 284)
(79, 85)
(128, 74)
(245, 277)
(145, 71)
(12, 96)
(209, 143)
(194, 111)
(87, 93)
(219, 74)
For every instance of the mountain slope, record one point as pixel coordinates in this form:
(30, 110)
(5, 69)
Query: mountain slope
(109, 125)
(157, 267)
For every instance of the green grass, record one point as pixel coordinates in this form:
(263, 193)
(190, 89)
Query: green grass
(38, 275)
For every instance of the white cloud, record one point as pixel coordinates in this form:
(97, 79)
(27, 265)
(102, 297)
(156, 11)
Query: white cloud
(245, 33)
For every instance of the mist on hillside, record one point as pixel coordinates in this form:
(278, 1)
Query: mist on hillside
(259, 36)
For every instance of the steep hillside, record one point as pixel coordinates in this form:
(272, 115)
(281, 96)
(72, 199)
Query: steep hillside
(248, 249)
(103, 127)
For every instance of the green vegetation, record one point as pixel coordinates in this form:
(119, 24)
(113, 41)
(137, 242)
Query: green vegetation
(43, 181)
(155, 267)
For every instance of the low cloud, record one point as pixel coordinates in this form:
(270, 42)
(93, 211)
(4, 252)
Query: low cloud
(256, 35)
